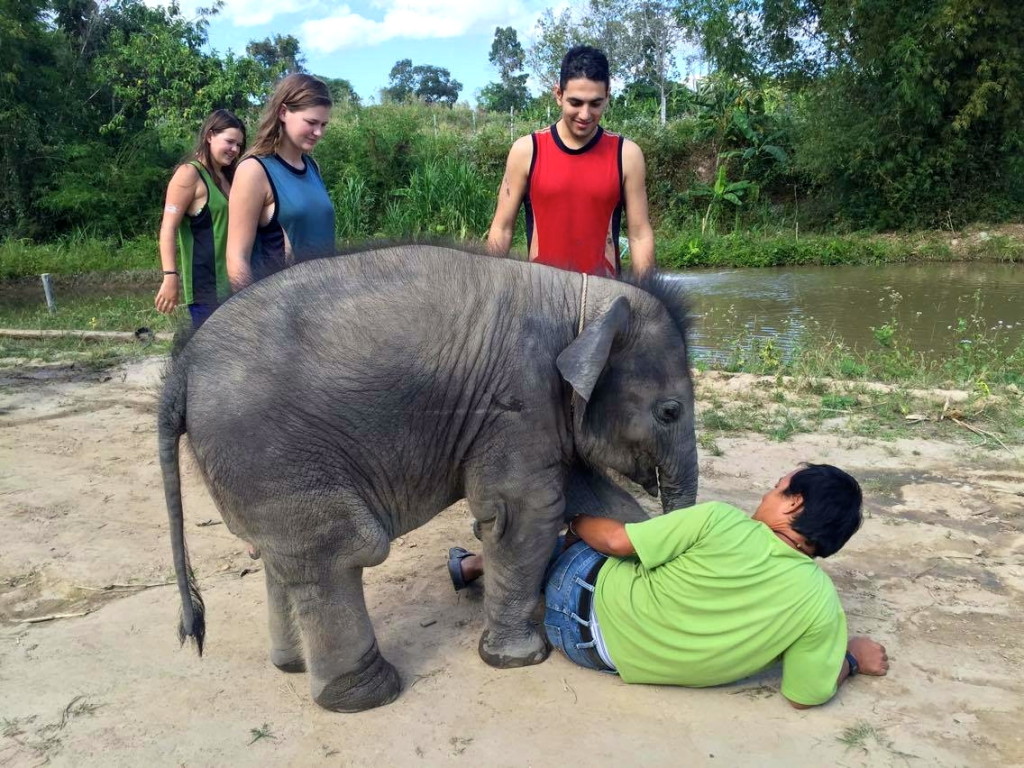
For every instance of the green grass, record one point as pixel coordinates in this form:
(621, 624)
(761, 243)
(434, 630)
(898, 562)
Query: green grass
(981, 358)
(91, 355)
(124, 312)
(857, 736)
(106, 313)
(450, 197)
(754, 248)
(76, 254)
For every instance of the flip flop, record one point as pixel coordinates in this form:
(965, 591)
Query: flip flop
(455, 557)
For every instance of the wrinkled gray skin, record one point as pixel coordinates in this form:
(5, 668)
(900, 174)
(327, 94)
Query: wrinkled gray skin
(345, 402)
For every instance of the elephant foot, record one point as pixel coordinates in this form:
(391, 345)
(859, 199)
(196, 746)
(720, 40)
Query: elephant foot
(522, 651)
(288, 659)
(373, 683)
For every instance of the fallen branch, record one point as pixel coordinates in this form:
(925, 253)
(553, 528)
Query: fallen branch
(109, 587)
(981, 432)
(18, 333)
(53, 617)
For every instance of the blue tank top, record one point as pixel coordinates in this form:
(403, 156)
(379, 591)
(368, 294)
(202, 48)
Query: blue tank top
(302, 227)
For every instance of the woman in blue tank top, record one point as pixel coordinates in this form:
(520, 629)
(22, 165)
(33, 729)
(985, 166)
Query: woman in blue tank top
(280, 212)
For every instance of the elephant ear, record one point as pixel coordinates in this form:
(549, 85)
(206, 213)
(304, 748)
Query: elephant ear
(582, 362)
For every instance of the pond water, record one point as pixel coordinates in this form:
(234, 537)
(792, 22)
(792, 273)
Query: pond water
(934, 306)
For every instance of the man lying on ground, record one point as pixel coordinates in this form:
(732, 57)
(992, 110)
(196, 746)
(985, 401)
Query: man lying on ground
(706, 595)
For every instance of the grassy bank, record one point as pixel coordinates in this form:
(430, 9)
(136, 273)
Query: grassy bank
(823, 385)
(105, 313)
(974, 394)
(766, 249)
(77, 255)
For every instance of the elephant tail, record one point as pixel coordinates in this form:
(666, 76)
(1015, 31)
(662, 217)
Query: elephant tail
(170, 428)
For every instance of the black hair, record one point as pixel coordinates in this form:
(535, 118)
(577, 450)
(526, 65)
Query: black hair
(584, 61)
(832, 502)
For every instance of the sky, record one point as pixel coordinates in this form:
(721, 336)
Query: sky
(361, 40)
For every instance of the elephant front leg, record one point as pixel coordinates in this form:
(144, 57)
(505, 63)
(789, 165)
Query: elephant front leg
(347, 671)
(518, 544)
(285, 640)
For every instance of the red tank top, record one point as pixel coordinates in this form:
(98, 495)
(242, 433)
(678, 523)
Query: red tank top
(574, 203)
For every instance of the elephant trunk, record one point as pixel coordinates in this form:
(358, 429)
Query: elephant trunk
(677, 480)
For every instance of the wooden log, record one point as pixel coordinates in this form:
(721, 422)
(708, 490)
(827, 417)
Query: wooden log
(17, 333)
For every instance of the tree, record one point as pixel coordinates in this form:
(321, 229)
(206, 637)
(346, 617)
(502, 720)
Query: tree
(638, 36)
(342, 92)
(553, 36)
(653, 34)
(401, 82)
(433, 85)
(29, 75)
(507, 56)
(506, 52)
(280, 55)
(913, 109)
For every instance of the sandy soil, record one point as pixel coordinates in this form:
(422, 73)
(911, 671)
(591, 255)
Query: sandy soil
(937, 574)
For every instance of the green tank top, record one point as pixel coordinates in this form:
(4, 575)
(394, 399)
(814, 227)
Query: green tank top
(202, 243)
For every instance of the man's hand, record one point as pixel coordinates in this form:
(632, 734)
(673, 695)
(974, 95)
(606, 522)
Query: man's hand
(870, 656)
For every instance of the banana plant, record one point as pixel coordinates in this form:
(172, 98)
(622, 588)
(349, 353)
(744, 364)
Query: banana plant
(719, 194)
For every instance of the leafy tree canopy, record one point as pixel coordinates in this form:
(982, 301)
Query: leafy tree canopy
(279, 54)
(508, 56)
(430, 84)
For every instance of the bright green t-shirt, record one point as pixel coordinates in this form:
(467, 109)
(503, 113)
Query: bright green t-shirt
(713, 596)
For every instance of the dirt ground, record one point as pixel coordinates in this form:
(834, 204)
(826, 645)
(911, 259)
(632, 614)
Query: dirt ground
(937, 574)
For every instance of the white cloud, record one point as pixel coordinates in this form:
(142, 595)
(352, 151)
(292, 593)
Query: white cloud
(415, 20)
(246, 13)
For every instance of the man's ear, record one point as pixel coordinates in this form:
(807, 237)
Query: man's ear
(582, 362)
(794, 504)
(556, 91)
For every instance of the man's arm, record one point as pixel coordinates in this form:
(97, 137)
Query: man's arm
(634, 183)
(605, 535)
(510, 196)
(871, 660)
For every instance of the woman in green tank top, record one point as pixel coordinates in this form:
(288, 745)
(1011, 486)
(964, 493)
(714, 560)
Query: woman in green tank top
(194, 229)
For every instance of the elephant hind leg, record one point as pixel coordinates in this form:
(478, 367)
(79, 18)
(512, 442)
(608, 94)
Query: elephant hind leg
(285, 639)
(347, 671)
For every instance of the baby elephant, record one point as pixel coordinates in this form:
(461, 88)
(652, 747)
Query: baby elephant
(344, 402)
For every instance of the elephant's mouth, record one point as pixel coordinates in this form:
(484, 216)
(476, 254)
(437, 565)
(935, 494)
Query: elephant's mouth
(646, 476)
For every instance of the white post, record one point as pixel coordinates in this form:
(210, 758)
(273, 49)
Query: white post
(48, 290)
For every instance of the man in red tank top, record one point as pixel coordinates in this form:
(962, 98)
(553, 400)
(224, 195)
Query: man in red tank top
(574, 180)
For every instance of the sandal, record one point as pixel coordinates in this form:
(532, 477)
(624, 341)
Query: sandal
(455, 557)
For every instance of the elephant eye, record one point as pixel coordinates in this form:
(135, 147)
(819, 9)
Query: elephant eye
(668, 411)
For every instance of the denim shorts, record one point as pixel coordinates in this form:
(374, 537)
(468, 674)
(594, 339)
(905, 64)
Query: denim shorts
(568, 592)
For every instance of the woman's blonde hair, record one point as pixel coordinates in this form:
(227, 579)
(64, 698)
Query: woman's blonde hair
(294, 93)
